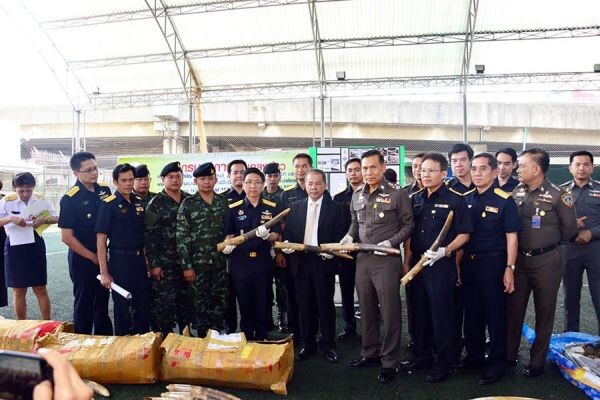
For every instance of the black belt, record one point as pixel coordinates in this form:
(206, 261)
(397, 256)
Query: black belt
(489, 254)
(126, 252)
(538, 252)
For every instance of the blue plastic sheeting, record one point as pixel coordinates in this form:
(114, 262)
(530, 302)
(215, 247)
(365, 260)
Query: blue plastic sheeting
(568, 369)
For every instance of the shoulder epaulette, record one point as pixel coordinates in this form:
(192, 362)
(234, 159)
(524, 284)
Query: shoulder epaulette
(72, 191)
(502, 193)
(469, 191)
(289, 188)
(110, 198)
(418, 191)
(361, 187)
(447, 182)
(102, 183)
(567, 184)
(10, 197)
(455, 191)
(138, 197)
(237, 203)
(393, 185)
(269, 203)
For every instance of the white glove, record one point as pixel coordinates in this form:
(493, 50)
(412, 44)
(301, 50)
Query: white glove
(229, 249)
(385, 243)
(347, 240)
(434, 255)
(288, 251)
(326, 256)
(263, 232)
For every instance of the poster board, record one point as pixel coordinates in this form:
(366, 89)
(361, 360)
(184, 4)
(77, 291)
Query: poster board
(332, 160)
(189, 162)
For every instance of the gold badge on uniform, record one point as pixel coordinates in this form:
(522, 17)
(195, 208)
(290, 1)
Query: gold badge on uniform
(89, 216)
(483, 214)
(139, 208)
(375, 206)
(252, 254)
(266, 215)
(542, 213)
(381, 214)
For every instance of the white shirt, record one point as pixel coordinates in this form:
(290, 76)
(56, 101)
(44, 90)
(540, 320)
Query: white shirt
(315, 227)
(16, 207)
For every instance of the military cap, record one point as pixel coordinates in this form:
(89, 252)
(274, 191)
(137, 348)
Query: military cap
(141, 171)
(174, 166)
(206, 169)
(271, 168)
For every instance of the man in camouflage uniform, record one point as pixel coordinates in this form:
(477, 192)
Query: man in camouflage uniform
(170, 294)
(141, 184)
(272, 192)
(200, 226)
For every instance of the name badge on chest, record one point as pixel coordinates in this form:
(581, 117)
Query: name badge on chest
(384, 198)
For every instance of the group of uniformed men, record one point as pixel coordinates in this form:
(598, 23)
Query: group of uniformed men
(506, 239)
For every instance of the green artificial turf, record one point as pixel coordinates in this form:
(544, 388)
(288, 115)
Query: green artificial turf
(316, 379)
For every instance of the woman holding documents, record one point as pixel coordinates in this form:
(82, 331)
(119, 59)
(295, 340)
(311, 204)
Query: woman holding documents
(24, 216)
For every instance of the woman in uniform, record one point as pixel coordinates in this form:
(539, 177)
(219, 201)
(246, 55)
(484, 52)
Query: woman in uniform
(25, 259)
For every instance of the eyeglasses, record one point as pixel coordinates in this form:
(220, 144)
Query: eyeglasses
(88, 171)
(429, 171)
(253, 183)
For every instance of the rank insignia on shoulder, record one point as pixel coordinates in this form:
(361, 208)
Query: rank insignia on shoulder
(72, 191)
(10, 197)
(289, 188)
(502, 193)
(110, 198)
(567, 198)
(103, 184)
(455, 191)
(237, 203)
(269, 203)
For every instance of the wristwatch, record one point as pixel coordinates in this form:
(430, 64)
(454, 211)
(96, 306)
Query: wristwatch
(511, 266)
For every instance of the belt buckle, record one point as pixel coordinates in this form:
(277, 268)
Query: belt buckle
(252, 254)
(527, 253)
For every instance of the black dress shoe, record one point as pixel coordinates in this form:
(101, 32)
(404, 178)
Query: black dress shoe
(361, 362)
(386, 375)
(346, 336)
(417, 363)
(436, 375)
(304, 353)
(489, 377)
(330, 355)
(532, 371)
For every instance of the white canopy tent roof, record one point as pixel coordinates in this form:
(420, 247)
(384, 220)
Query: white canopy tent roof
(115, 53)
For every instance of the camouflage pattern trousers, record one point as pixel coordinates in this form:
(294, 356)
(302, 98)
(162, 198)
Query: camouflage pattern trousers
(171, 301)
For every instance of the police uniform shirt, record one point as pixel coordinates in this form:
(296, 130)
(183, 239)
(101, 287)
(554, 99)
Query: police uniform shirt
(79, 209)
(122, 222)
(587, 204)
(243, 216)
(233, 196)
(430, 213)
(547, 215)
(12, 205)
(383, 214)
(345, 198)
(455, 184)
(509, 186)
(494, 214)
(412, 188)
(292, 194)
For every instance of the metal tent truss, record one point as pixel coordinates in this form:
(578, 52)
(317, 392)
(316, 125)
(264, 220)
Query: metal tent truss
(353, 43)
(566, 81)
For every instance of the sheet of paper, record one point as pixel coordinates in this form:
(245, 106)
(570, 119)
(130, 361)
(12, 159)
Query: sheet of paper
(19, 235)
(38, 209)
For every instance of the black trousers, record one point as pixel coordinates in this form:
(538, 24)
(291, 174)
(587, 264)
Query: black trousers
(129, 271)
(485, 306)
(231, 317)
(433, 315)
(315, 287)
(90, 310)
(250, 281)
(346, 271)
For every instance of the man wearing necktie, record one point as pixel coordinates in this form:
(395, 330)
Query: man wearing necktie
(312, 221)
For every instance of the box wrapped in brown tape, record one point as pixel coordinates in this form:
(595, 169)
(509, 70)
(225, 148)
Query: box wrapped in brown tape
(247, 365)
(22, 335)
(110, 359)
